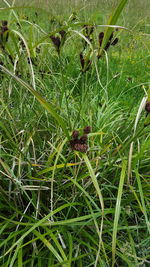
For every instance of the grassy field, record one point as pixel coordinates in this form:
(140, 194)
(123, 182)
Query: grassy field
(75, 134)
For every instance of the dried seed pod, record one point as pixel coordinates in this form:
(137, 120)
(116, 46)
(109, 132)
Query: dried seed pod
(81, 147)
(75, 134)
(147, 106)
(111, 36)
(107, 45)
(87, 130)
(62, 33)
(83, 139)
(56, 41)
(100, 37)
(115, 41)
(82, 60)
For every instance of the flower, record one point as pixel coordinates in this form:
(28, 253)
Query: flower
(80, 144)
(147, 106)
(87, 129)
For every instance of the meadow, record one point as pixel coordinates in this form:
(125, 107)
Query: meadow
(74, 133)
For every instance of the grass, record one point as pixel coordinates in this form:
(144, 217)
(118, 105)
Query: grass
(87, 206)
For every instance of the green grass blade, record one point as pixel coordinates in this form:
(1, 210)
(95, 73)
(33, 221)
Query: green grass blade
(112, 21)
(48, 245)
(20, 260)
(40, 99)
(142, 199)
(94, 180)
(117, 210)
(98, 191)
(15, 255)
(40, 222)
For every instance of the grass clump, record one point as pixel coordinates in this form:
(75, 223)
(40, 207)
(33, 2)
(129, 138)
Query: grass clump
(74, 138)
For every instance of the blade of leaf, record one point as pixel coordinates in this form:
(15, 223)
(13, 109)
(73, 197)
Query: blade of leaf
(112, 21)
(117, 210)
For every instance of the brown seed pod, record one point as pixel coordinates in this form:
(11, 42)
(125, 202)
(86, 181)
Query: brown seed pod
(81, 147)
(107, 45)
(87, 130)
(100, 37)
(83, 139)
(62, 33)
(82, 60)
(56, 41)
(147, 106)
(75, 134)
(111, 36)
(115, 41)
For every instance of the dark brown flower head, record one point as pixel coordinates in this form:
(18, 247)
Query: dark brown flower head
(147, 106)
(80, 144)
(87, 130)
(111, 36)
(115, 41)
(81, 147)
(56, 41)
(4, 22)
(75, 134)
(83, 139)
(62, 33)
(100, 37)
(82, 60)
(107, 45)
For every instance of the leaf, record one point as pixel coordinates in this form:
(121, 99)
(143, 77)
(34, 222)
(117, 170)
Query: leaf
(117, 210)
(112, 21)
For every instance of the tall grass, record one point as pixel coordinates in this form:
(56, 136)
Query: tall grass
(71, 200)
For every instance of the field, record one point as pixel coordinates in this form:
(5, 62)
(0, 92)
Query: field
(74, 133)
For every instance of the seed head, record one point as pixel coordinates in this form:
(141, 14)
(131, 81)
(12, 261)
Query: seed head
(101, 36)
(87, 130)
(81, 147)
(62, 33)
(75, 134)
(82, 60)
(147, 106)
(83, 139)
(115, 41)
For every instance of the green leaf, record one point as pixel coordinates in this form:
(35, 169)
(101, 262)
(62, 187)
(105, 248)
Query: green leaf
(112, 21)
(117, 210)
(142, 199)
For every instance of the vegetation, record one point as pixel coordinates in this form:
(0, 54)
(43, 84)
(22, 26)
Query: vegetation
(74, 155)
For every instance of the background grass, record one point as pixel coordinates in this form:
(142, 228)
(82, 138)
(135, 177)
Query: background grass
(60, 207)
